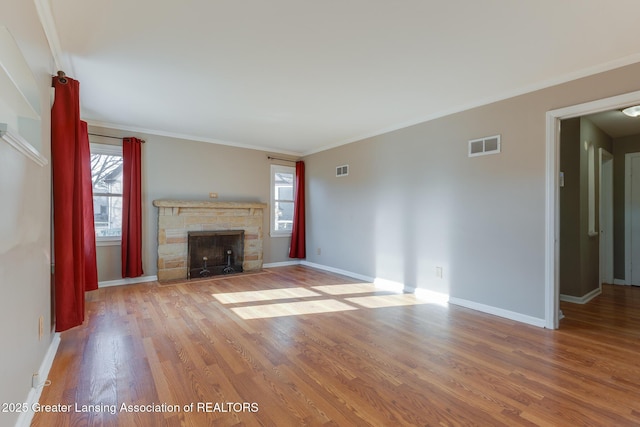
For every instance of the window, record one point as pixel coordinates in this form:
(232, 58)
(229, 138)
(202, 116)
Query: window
(106, 176)
(282, 193)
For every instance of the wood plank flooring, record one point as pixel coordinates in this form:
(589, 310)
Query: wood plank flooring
(324, 353)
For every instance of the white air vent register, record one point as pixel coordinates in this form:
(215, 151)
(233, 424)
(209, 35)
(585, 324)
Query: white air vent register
(483, 146)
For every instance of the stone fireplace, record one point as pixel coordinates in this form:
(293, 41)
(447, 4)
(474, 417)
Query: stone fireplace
(177, 218)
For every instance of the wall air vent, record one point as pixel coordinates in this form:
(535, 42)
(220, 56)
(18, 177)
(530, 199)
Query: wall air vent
(483, 146)
(342, 170)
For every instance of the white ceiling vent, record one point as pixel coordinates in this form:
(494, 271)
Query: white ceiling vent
(342, 170)
(482, 146)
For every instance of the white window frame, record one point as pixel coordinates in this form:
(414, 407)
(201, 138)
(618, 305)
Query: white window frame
(111, 150)
(272, 220)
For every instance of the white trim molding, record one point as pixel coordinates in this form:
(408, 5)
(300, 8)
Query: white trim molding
(583, 299)
(507, 314)
(43, 7)
(552, 218)
(25, 418)
(19, 143)
(280, 264)
(338, 271)
(127, 281)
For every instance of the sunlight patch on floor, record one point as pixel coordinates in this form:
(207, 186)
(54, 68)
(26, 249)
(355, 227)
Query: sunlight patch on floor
(291, 309)
(379, 301)
(351, 288)
(266, 295)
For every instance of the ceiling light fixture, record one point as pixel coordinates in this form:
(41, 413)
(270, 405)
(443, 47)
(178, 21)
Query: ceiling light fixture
(632, 111)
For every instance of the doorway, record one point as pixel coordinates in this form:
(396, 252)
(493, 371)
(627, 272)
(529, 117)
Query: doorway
(552, 238)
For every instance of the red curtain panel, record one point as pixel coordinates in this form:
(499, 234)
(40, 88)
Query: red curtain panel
(131, 208)
(297, 249)
(75, 269)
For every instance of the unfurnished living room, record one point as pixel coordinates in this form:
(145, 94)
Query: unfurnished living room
(296, 213)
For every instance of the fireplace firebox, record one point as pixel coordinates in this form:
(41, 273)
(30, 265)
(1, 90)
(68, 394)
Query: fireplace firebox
(212, 253)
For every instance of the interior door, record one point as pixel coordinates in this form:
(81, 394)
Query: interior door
(633, 217)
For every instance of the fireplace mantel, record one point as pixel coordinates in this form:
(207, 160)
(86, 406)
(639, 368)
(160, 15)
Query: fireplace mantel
(207, 204)
(177, 217)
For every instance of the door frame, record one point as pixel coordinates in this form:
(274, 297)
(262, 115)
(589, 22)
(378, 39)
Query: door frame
(552, 193)
(605, 194)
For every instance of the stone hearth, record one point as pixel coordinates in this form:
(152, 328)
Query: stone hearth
(177, 217)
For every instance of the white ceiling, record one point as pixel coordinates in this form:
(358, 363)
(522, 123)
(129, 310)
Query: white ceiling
(299, 76)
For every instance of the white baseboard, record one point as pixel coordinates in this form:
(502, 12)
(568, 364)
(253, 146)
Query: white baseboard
(432, 295)
(421, 293)
(389, 285)
(583, 299)
(507, 314)
(385, 284)
(620, 282)
(127, 281)
(280, 264)
(25, 418)
(338, 271)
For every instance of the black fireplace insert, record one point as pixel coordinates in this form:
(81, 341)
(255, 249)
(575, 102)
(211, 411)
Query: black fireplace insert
(212, 253)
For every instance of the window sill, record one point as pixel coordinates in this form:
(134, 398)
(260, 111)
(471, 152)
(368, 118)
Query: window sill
(109, 242)
(279, 234)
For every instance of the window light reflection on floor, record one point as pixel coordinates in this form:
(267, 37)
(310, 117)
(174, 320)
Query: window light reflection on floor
(291, 309)
(330, 302)
(266, 295)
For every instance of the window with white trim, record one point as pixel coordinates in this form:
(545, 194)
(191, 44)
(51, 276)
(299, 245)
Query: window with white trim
(283, 184)
(106, 176)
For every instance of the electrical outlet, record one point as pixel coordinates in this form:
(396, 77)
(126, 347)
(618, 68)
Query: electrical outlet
(213, 195)
(35, 380)
(40, 327)
(439, 272)
(318, 251)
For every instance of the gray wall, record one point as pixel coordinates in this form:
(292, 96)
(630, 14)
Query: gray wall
(579, 252)
(413, 200)
(25, 254)
(590, 246)
(570, 209)
(184, 169)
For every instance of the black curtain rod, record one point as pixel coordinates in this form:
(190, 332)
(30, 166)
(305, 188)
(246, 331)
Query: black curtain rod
(283, 160)
(109, 136)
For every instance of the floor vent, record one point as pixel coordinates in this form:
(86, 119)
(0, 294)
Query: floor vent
(483, 146)
(342, 170)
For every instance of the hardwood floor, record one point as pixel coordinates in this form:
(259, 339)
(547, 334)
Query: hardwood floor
(294, 346)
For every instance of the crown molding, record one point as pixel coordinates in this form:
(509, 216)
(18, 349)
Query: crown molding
(140, 130)
(51, 32)
(19, 143)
